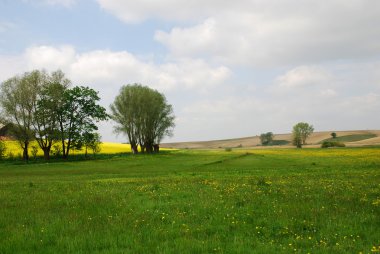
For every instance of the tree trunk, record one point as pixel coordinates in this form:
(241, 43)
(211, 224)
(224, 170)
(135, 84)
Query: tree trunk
(149, 148)
(46, 153)
(156, 148)
(134, 148)
(25, 153)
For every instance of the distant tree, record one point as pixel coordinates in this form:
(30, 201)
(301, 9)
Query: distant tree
(18, 98)
(302, 131)
(143, 115)
(296, 138)
(333, 135)
(77, 115)
(266, 138)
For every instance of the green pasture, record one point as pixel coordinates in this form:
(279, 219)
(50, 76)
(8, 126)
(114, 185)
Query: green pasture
(243, 201)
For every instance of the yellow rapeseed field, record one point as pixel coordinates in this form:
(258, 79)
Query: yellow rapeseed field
(106, 147)
(14, 148)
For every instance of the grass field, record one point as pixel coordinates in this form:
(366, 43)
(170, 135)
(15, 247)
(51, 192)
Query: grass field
(258, 201)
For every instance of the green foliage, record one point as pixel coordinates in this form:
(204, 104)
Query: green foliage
(269, 201)
(297, 139)
(333, 135)
(301, 131)
(92, 141)
(143, 115)
(50, 99)
(266, 138)
(228, 149)
(78, 115)
(57, 151)
(327, 144)
(3, 149)
(18, 96)
(34, 151)
(30, 103)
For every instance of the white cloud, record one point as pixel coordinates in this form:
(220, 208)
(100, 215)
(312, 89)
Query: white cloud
(105, 68)
(328, 93)
(261, 32)
(52, 58)
(138, 11)
(304, 76)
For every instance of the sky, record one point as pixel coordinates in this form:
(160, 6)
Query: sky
(229, 68)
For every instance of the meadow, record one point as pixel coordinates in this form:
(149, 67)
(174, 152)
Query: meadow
(188, 201)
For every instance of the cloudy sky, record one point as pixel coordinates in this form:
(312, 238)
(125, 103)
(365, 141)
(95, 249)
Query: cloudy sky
(229, 68)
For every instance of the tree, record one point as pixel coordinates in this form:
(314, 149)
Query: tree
(143, 115)
(50, 98)
(333, 135)
(296, 139)
(18, 99)
(77, 115)
(266, 138)
(301, 131)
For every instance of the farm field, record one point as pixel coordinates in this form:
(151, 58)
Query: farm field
(209, 201)
(106, 148)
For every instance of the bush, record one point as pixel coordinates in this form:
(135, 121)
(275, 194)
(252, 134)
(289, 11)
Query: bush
(266, 138)
(228, 149)
(3, 149)
(327, 144)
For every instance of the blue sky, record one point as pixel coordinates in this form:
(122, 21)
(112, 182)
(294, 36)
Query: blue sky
(230, 69)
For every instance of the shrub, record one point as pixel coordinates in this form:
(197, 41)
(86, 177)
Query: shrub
(57, 150)
(3, 149)
(228, 149)
(327, 144)
(34, 152)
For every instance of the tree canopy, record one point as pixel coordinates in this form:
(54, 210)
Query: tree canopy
(143, 115)
(301, 131)
(41, 106)
(266, 138)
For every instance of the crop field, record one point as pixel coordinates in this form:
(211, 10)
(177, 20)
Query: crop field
(106, 148)
(243, 201)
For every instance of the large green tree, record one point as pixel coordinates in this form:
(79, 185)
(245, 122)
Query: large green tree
(18, 99)
(143, 115)
(50, 99)
(301, 131)
(77, 116)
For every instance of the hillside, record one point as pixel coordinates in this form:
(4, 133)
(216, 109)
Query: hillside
(250, 142)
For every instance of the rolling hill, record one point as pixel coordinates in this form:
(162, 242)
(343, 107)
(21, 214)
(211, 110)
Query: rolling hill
(361, 137)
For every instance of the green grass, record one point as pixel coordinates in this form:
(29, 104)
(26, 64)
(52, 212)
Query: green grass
(259, 201)
(351, 138)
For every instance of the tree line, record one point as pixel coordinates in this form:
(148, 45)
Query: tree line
(44, 107)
